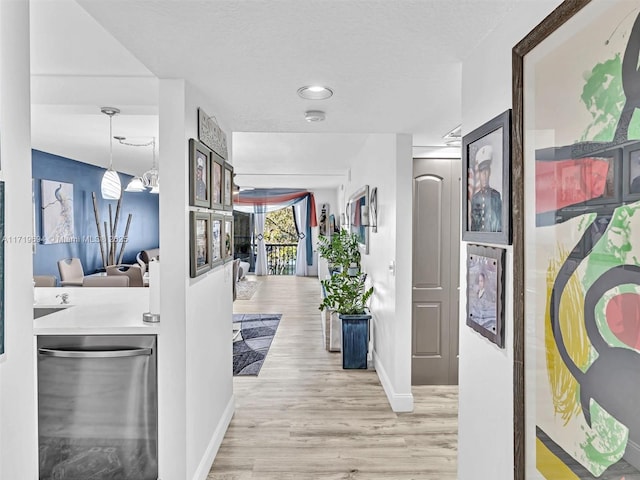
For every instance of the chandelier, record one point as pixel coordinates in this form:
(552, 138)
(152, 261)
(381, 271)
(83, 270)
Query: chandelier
(149, 179)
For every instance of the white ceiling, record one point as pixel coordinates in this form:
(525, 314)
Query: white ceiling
(395, 67)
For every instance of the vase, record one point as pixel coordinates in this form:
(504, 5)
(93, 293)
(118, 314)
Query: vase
(355, 340)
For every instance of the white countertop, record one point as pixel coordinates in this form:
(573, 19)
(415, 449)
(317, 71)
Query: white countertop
(95, 311)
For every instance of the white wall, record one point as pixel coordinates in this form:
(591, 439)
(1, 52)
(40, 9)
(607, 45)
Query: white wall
(172, 446)
(194, 352)
(209, 328)
(18, 437)
(385, 162)
(486, 371)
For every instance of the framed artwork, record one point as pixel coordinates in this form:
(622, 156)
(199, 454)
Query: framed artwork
(2, 268)
(358, 216)
(485, 292)
(56, 204)
(324, 219)
(217, 181)
(199, 174)
(373, 209)
(217, 250)
(210, 133)
(228, 187)
(577, 274)
(200, 243)
(486, 185)
(227, 235)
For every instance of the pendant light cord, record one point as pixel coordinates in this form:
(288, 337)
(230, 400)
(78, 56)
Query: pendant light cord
(111, 142)
(150, 143)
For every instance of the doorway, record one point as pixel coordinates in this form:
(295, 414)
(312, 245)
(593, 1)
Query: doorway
(436, 282)
(280, 236)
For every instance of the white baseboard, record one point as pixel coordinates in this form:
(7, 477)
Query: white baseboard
(216, 440)
(400, 402)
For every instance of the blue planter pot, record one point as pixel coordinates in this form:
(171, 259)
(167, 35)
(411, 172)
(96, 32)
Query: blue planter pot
(355, 340)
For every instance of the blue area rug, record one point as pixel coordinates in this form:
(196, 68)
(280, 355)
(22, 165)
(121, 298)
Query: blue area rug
(251, 346)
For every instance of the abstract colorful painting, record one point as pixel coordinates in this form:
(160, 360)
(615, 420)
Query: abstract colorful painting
(582, 247)
(57, 212)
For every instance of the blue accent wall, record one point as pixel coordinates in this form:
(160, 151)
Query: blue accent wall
(143, 231)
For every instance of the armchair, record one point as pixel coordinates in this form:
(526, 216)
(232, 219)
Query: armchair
(44, 281)
(108, 281)
(134, 272)
(71, 272)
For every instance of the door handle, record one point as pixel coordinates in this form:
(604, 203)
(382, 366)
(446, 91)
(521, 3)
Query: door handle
(87, 353)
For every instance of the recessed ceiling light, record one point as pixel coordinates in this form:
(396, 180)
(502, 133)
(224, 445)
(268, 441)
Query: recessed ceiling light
(315, 92)
(314, 116)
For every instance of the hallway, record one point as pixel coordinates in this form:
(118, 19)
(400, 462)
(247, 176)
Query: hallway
(306, 418)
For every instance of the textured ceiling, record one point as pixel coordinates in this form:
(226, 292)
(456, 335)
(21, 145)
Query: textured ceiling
(395, 67)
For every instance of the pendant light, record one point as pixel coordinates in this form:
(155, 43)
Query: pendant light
(135, 185)
(151, 178)
(110, 188)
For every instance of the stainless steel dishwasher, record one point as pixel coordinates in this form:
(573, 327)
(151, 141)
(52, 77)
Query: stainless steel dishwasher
(97, 407)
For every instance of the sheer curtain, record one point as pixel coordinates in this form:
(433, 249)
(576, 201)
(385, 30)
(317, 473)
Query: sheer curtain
(261, 260)
(260, 201)
(300, 212)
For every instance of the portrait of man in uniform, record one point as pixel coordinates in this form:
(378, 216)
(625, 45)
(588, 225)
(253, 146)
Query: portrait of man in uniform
(201, 186)
(486, 203)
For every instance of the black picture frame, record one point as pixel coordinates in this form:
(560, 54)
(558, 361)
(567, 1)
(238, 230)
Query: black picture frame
(227, 187)
(485, 291)
(200, 243)
(217, 236)
(486, 156)
(199, 174)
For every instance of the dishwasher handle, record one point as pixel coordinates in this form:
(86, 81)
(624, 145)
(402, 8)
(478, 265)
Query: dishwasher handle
(90, 353)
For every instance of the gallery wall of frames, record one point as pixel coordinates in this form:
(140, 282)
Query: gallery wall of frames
(210, 198)
(486, 218)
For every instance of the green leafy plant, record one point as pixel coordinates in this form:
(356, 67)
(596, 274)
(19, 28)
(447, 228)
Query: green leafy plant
(341, 250)
(346, 294)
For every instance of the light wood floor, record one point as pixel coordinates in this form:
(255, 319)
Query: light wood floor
(305, 418)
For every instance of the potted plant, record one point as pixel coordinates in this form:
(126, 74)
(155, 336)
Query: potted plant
(340, 251)
(348, 295)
